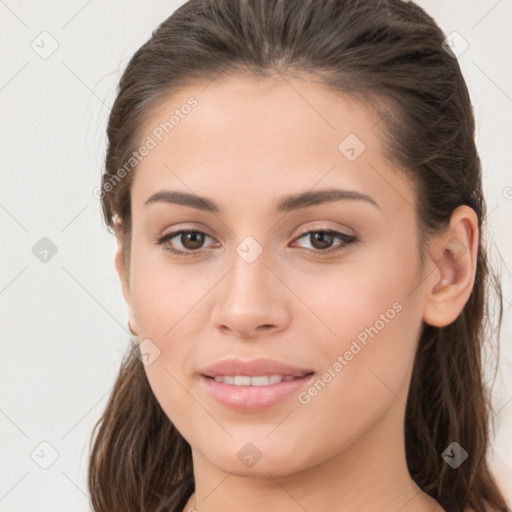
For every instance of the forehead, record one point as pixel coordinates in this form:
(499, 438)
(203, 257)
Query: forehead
(246, 138)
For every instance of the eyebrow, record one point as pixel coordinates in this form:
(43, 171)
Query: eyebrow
(285, 204)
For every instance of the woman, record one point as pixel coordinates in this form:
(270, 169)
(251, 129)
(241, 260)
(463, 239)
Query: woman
(296, 195)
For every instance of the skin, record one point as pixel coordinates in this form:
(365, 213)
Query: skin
(247, 143)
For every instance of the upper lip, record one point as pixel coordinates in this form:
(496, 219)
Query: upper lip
(253, 368)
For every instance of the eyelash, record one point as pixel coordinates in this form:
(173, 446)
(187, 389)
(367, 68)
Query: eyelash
(348, 239)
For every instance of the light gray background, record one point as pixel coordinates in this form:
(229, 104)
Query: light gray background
(63, 321)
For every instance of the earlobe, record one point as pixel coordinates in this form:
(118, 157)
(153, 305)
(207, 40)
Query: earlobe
(454, 254)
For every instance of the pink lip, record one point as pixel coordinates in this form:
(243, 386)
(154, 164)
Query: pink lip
(252, 398)
(253, 368)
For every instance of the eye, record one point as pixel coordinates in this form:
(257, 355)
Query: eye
(191, 242)
(322, 241)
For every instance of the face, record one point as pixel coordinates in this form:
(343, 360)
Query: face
(330, 287)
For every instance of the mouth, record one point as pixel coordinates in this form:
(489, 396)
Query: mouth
(255, 368)
(258, 380)
(248, 393)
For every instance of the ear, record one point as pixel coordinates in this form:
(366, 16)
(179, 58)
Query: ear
(454, 254)
(125, 285)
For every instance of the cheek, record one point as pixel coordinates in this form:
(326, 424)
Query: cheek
(164, 294)
(376, 320)
(370, 291)
(169, 307)
(367, 373)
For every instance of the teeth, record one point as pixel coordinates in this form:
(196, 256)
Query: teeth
(245, 380)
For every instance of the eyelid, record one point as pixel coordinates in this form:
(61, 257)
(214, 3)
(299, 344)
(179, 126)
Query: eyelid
(303, 231)
(324, 227)
(186, 226)
(339, 233)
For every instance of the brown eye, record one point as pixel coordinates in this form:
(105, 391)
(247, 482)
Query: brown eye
(183, 242)
(192, 239)
(321, 239)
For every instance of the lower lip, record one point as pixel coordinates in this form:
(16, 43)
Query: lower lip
(253, 398)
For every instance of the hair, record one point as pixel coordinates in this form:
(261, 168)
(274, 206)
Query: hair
(389, 54)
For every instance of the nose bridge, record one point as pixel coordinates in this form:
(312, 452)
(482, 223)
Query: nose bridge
(250, 279)
(250, 297)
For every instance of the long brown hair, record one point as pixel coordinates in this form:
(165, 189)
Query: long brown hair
(389, 53)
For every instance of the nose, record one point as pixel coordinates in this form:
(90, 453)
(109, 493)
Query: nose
(251, 300)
